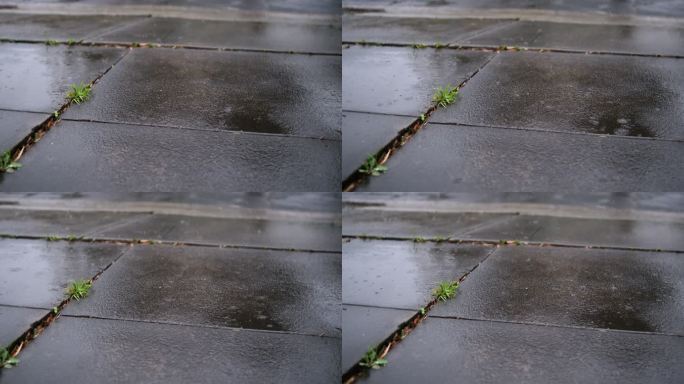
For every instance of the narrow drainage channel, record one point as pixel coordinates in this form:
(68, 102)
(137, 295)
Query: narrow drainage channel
(37, 328)
(39, 131)
(403, 330)
(403, 137)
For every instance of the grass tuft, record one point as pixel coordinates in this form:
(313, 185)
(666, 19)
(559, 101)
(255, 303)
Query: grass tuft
(79, 93)
(372, 360)
(445, 290)
(371, 167)
(6, 359)
(79, 289)
(7, 164)
(445, 95)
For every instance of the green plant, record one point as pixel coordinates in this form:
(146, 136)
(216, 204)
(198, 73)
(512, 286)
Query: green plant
(79, 93)
(53, 238)
(372, 360)
(422, 311)
(422, 117)
(445, 95)
(7, 164)
(439, 45)
(135, 45)
(6, 359)
(371, 167)
(79, 289)
(51, 42)
(74, 238)
(419, 239)
(445, 290)
(440, 239)
(71, 42)
(419, 46)
(55, 310)
(55, 114)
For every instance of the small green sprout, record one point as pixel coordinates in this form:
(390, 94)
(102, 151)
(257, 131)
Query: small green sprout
(53, 238)
(371, 360)
(74, 238)
(79, 93)
(55, 114)
(51, 42)
(445, 290)
(135, 45)
(440, 239)
(419, 240)
(71, 42)
(79, 289)
(422, 311)
(422, 117)
(439, 45)
(371, 167)
(419, 46)
(55, 310)
(6, 359)
(445, 95)
(7, 164)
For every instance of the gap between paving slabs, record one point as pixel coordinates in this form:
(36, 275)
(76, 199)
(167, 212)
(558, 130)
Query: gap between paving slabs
(405, 135)
(404, 329)
(39, 131)
(37, 328)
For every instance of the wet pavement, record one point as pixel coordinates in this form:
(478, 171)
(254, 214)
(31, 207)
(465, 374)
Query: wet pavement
(529, 119)
(219, 105)
(576, 303)
(170, 311)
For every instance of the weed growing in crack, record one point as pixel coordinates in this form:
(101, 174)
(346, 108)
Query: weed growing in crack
(372, 360)
(419, 46)
(53, 238)
(79, 93)
(439, 45)
(79, 289)
(6, 359)
(135, 45)
(74, 238)
(419, 240)
(7, 164)
(55, 310)
(71, 42)
(422, 311)
(371, 167)
(445, 290)
(445, 95)
(51, 42)
(422, 117)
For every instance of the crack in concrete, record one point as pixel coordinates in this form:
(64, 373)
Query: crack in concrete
(402, 331)
(403, 137)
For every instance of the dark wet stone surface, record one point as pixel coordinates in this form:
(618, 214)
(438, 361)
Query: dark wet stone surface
(363, 327)
(668, 8)
(74, 350)
(602, 94)
(361, 222)
(586, 37)
(242, 288)
(627, 290)
(455, 158)
(410, 30)
(402, 274)
(402, 80)
(59, 223)
(364, 134)
(478, 352)
(16, 321)
(126, 157)
(237, 91)
(308, 235)
(36, 77)
(297, 37)
(36, 273)
(15, 126)
(58, 27)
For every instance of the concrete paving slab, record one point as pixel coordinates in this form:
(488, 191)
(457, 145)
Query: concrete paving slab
(59, 27)
(402, 80)
(490, 352)
(237, 91)
(379, 223)
(299, 37)
(402, 274)
(74, 350)
(127, 157)
(36, 78)
(20, 222)
(410, 30)
(15, 126)
(288, 234)
(16, 321)
(363, 327)
(241, 288)
(454, 158)
(364, 134)
(602, 94)
(585, 37)
(35, 273)
(614, 289)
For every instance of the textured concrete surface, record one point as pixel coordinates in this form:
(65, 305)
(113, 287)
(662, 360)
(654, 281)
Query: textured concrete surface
(48, 222)
(402, 274)
(609, 95)
(364, 327)
(16, 321)
(36, 78)
(453, 158)
(400, 80)
(15, 126)
(59, 27)
(364, 134)
(501, 352)
(75, 350)
(36, 273)
(231, 34)
(130, 157)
